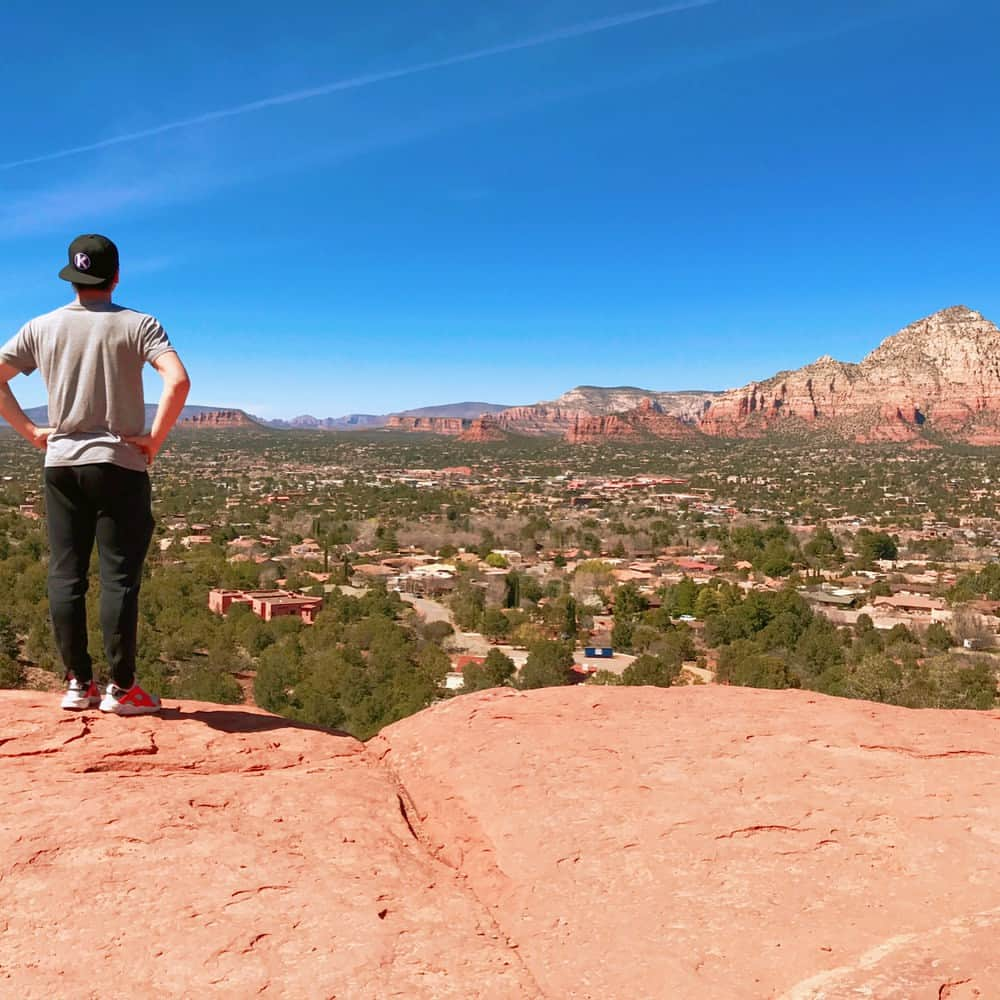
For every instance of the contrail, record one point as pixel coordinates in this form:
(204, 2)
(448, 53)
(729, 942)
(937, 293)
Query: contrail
(369, 79)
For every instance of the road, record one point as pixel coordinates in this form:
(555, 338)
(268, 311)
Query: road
(430, 611)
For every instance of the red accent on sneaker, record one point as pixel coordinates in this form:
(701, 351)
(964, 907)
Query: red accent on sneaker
(136, 696)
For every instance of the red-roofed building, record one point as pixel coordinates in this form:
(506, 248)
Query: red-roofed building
(267, 604)
(455, 678)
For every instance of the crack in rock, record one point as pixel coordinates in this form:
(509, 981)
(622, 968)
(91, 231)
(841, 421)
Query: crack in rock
(910, 752)
(750, 831)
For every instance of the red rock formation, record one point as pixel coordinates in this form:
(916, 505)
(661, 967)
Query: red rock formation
(652, 843)
(537, 420)
(221, 851)
(559, 417)
(646, 420)
(941, 373)
(450, 426)
(484, 429)
(609, 843)
(218, 420)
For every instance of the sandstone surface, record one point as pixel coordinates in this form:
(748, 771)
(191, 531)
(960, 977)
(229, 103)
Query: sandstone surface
(221, 852)
(611, 843)
(716, 842)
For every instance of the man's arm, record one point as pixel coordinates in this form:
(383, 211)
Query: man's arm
(176, 386)
(10, 410)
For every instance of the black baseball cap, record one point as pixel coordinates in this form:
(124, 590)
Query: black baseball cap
(92, 259)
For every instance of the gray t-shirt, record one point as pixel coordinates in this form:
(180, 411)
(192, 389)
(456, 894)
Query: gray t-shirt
(91, 359)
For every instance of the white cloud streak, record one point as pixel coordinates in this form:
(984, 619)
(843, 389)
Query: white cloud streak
(369, 79)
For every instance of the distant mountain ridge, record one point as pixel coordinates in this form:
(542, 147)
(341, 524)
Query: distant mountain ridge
(40, 414)
(937, 377)
(373, 421)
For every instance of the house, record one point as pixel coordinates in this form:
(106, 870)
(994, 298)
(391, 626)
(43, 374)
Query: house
(455, 678)
(365, 573)
(912, 604)
(694, 566)
(840, 598)
(430, 580)
(267, 604)
(188, 541)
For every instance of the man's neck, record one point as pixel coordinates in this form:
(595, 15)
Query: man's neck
(93, 298)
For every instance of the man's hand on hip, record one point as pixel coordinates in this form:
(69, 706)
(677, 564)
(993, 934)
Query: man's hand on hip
(40, 437)
(145, 443)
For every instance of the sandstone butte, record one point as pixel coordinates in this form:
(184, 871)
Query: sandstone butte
(218, 419)
(608, 843)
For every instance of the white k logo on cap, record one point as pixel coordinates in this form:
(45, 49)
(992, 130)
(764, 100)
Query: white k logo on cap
(81, 262)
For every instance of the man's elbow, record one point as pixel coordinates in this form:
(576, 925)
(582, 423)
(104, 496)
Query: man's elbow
(179, 382)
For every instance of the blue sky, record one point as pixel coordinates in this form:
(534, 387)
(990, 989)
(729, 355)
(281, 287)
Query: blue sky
(354, 207)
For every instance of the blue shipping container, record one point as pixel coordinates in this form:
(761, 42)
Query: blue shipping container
(598, 652)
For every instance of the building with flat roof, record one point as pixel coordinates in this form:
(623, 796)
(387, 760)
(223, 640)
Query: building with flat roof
(267, 604)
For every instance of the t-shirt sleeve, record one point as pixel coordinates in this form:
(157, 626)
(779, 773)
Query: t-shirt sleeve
(19, 351)
(153, 339)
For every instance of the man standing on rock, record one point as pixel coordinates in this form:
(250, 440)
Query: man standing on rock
(91, 354)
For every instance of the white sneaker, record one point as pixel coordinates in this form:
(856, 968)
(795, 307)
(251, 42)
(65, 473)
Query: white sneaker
(80, 696)
(134, 701)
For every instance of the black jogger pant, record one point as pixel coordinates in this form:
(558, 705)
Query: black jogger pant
(113, 505)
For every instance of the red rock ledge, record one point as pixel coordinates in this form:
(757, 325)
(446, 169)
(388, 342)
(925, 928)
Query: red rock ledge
(568, 843)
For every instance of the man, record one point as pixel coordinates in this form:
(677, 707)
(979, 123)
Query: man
(91, 354)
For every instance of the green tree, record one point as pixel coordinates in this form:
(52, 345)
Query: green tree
(467, 603)
(496, 671)
(437, 631)
(570, 624)
(775, 560)
(278, 673)
(654, 671)
(11, 672)
(622, 634)
(937, 637)
(873, 545)
(8, 637)
(207, 682)
(549, 664)
(629, 602)
(494, 624)
(512, 590)
(740, 663)
(682, 596)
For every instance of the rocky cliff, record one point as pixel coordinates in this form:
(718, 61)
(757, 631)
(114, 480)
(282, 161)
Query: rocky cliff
(647, 420)
(940, 374)
(597, 401)
(612, 843)
(563, 415)
(559, 417)
(541, 419)
(484, 429)
(450, 426)
(218, 419)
